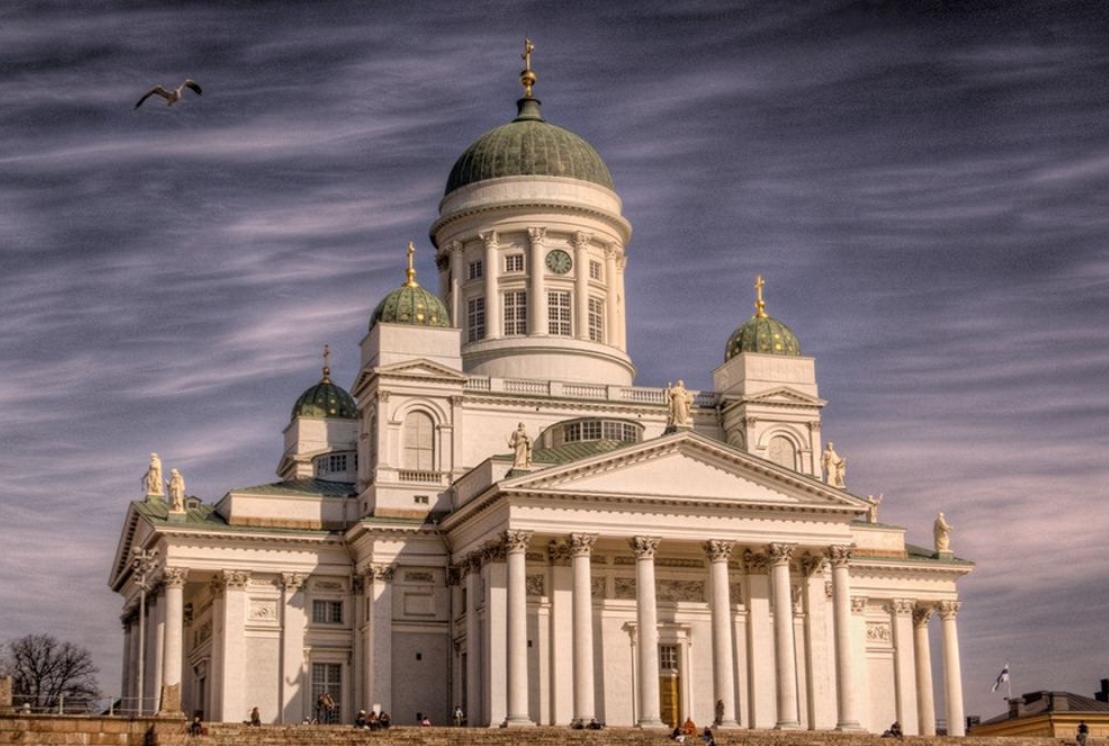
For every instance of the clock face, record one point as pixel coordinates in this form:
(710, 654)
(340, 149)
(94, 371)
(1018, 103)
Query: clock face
(559, 262)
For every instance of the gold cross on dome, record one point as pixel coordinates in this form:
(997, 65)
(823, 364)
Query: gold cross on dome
(760, 305)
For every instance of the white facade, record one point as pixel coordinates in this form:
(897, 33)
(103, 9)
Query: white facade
(638, 571)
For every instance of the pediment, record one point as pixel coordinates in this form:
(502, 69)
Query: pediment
(686, 467)
(784, 395)
(419, 368)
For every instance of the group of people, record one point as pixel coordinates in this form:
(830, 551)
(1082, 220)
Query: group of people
(688, 729)
(593, 724)
(372, 720)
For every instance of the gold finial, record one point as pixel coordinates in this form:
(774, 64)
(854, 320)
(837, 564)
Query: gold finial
(326, 364)
(527, 76)
(760, 305)
(411, 271)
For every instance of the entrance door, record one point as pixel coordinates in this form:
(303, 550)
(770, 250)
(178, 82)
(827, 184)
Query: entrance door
(669, 686)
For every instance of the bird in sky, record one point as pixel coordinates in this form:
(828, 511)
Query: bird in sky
(171, 97)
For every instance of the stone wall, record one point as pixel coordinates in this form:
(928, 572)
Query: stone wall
(58, 730)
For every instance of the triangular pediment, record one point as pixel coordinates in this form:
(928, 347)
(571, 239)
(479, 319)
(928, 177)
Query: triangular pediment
(686, 467)
(784, 395)
(420, 368)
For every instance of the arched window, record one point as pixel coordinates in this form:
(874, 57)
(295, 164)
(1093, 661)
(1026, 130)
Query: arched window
(782, 452)
(419, 442)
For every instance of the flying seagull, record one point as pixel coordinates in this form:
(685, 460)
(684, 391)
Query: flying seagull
(171, 97)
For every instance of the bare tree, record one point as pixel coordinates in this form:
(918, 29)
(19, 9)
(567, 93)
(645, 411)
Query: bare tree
(44, 671)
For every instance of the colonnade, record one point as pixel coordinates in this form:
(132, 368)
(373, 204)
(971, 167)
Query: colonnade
(509, 705)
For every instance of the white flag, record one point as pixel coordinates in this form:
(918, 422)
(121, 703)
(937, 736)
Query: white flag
(1001, 677)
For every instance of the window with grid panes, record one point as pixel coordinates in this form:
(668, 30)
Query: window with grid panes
(327, 612)
(475, 272)
(594, 270)
(514, 263)
(475, 319)
(558, 313)
(515, 313)
(596, 320)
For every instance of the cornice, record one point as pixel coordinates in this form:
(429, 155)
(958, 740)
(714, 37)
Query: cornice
(622, 225)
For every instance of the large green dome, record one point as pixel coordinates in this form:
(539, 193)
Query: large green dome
(325, 399)
(765, 335)
(529, 146)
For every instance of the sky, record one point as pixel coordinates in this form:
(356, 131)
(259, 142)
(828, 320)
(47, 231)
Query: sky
(923, 185)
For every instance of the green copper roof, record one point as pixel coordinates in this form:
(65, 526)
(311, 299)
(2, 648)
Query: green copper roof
(762, 334)
(411, 304)
(576, 451)
(325, 399)
(529, 146)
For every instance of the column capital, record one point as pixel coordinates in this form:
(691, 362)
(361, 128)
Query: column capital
(493, 551)
(558, 552)
(582, 239)
(516, 542)
(537, 234)
(174, 577)
(644, 546)
(379, 571)
(780, 554)
(755, 563)
(839, 554)
(858, 604)
(236, 579)
(293, 581)
(490, 239)
(900, 606)
(473, 560)
(812, 564)
(718, 550)
(921, 614)
(581, 545)
(948, 609)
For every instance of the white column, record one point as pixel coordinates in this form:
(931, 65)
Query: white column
(581, 547)
(723, 654)
(492, 291)
(494, 671)
(760, 642)
(379, 590)
(846, 707)
(212, 707)
(473, 704)
(952, 673)
(785, 654)
(233, 671)
(130, 641)
(926, 705)
(454, 288)
(901, 618)
(559, 701)
(294, 620)
(613, 335)
(820, 699)
(174, 579)
(581, 286)
(516, 545)
(537, 288)
(646, 619)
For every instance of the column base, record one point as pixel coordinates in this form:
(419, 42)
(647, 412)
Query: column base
(727, 725)
(851, 727)
(517, 722)
(788, 725)
(655, 724)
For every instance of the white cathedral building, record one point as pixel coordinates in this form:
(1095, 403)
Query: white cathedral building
(495, 517)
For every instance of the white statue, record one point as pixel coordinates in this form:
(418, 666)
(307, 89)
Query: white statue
(941, 530)
(152, 480)
(176, 486)
(680, 404)
(835, 468)
(520, 443)
(872, 508)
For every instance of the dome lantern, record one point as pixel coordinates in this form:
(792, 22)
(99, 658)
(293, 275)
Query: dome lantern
(410, 303)
(762, 333)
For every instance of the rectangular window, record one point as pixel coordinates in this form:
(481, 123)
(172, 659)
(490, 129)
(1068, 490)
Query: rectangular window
(515, 313)
(594, 270)
(475, 272)
(558, 313)
(475, 319)
(596, 320)
(514, 263)
(619, 431)
(327, 612)
(668, 657)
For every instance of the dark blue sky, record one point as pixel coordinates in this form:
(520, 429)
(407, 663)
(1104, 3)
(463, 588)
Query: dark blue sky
(923, 185)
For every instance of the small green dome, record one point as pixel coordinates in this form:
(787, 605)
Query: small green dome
(529, 146)
(411, 304)
(763, 334)
(326, 399)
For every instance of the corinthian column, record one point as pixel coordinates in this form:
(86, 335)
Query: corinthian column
(581, 546)
(952, 674)
(723, 656)
(925, 702)
(516, 544)
(646, 620)
(839, 557)
(174, 579)
(785, 654)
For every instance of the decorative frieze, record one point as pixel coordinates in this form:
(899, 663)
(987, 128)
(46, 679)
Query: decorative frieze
(736, 593)
(263, 610)
(680, 590)
(418, 576)
(878, 632)
(597, 587)
(624, 588)
(536, 585)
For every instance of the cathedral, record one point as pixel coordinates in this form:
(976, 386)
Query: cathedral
(494, 517)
